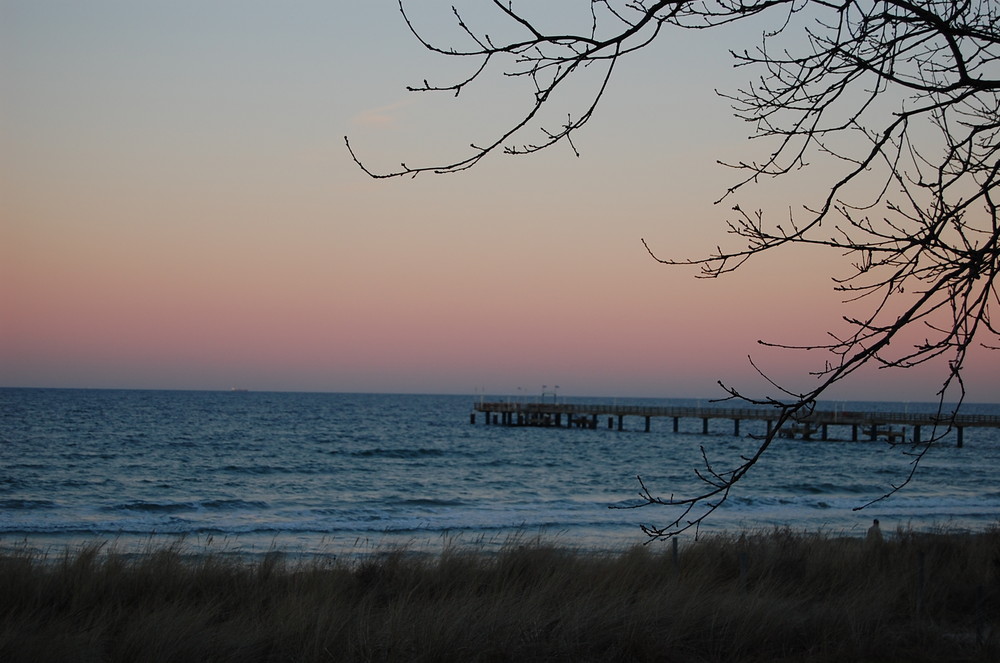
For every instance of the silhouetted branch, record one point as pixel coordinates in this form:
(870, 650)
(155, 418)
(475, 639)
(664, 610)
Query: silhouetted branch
(902, 97)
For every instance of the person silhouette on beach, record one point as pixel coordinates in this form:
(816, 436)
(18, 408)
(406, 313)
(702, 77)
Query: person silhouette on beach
(874, 534)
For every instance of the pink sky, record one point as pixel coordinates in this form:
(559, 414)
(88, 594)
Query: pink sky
(177, 210)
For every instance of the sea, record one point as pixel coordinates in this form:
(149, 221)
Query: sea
(253, 473)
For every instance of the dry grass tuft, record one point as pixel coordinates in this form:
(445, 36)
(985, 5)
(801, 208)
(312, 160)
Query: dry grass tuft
(759, 596)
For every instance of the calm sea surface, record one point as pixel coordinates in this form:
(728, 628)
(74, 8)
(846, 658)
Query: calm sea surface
(337, 473)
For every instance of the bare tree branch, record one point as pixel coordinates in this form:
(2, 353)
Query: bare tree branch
(901, 97)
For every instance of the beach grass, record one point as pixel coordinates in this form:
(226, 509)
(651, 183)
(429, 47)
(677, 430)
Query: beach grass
(772, 595)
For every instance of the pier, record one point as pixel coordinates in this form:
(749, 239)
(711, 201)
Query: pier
(869, 425)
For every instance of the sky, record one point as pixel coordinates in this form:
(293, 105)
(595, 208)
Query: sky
(178, 210)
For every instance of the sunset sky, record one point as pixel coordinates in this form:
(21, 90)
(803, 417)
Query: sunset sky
(178, 210)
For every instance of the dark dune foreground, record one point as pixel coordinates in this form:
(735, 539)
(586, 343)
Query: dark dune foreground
(775, 595)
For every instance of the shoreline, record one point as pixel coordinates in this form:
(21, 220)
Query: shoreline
(425, 544)
(307, 545)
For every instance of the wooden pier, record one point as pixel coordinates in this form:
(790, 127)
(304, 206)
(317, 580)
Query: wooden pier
(869, 425)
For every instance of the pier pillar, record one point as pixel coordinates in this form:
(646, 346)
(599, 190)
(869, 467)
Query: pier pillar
(874, 435)
(704, 425)
(558, 419)
(611, 423)
(961, 437)
(472, 418)
(769, 425)
(621, 422)
(916, 434)
(854, 432)
(675, 423)
(736, 427)
(647, 424)
(825, 437)
(593, 421)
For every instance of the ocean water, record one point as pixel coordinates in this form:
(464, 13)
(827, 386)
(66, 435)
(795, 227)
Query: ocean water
(311, 473)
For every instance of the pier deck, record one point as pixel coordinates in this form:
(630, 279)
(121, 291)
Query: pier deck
(873, 425)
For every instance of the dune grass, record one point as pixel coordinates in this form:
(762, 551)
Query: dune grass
(762, 596)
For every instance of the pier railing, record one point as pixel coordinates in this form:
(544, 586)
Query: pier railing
(846, 417)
